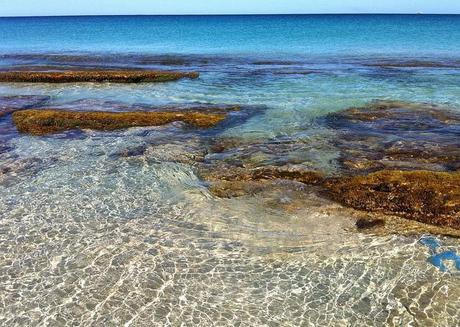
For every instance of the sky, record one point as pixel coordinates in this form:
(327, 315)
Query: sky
(162, 7)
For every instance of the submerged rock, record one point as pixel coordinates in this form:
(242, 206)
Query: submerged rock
(41, 122)
(235, 189)
(396, 135)
(13, 168)
(428, 197)
(9, 104)
(188, 151)
(229, 173)
(95, 76)
(424, 196)
(415, 64)
(396, 159)
(230, 182)
(283, 151)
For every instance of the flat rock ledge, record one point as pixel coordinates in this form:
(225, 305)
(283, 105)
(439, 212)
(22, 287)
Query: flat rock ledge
(95, 76)
(48, 121)
(425, 196)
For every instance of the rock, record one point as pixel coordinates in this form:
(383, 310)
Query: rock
(424, 196)
(397, 159)
(229, 182)
(257, 152)
(95, 76)
(13, 168)
(396, 135)
(41, 122)
(189, 150)
(415, 64)
(229, 173)
(129, 152)
(234, 189)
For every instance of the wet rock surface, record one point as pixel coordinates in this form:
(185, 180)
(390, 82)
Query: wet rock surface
(280, 151)
(94, 76)
(41, 122)
(188, 151)
(428, 197)
(291, 172)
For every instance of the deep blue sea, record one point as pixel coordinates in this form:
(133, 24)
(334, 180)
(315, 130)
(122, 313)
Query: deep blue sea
(281, 35)
(117, 229)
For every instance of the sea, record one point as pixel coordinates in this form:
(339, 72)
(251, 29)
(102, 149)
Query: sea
(111, 229)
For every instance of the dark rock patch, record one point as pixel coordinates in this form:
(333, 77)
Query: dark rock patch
(415, 64)
(364, 223)
(397, 135)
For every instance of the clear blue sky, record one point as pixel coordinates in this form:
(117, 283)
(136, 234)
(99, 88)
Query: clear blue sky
(128, 7)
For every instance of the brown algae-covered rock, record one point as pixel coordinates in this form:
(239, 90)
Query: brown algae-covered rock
(95, 76)
(428, 197)
(40, 122)
(293, 173)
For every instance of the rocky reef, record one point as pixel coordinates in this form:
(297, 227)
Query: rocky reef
(94, 76)
(46, 121)
(424, 196)
(394, 159)
(386, 159)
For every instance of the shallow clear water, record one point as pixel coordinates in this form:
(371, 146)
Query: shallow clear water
(92, 237)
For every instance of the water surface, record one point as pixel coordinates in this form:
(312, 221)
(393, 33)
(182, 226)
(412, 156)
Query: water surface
(92, 237)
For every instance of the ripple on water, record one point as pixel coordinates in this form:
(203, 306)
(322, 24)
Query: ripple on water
(97, 240)
(110, 229)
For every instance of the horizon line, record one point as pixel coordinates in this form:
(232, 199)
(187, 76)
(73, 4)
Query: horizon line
(242, 14)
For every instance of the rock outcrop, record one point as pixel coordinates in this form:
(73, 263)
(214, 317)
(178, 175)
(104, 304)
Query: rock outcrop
(424, 196)
(94, 76)
(46, 121)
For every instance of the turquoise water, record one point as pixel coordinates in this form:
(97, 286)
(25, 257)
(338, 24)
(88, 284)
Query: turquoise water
(94, 238)
(263, 35)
